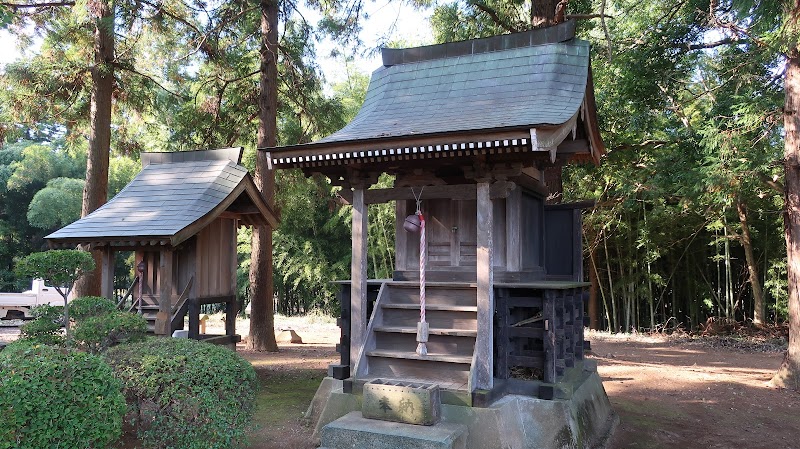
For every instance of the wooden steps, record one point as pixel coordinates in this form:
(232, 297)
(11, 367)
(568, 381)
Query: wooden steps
(451, 312)
(432, 331)
(429, 307)
(409, 355)
(150, 309)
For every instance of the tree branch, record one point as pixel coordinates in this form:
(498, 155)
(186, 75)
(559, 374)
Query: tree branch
(719, 43)
(589, 16)
(37, 5)
(131, 69)
(494, 16)
(773, 184)
(646, 143)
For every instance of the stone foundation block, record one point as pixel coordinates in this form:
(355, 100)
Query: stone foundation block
(353, 431)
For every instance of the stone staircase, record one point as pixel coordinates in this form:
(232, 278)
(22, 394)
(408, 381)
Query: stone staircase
(390, 349)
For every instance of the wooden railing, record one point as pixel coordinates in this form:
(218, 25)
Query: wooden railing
(179, 305)
(121, 303)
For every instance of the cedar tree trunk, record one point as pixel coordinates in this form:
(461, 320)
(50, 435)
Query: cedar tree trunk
(759, 308)
(543, 13)
(788, 376)
(95, 191)
(262, 323)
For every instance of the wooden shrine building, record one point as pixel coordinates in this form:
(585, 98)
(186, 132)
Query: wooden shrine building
(179, 216)
(473, 126)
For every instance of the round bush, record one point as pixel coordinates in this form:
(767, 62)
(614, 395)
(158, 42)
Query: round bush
(98, 333)
(88, 306)
(46, 327)
(54, 397)
(185, 393)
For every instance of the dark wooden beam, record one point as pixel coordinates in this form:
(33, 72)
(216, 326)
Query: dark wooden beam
(499, 189)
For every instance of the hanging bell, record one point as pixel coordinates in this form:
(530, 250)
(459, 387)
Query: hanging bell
(412, 223)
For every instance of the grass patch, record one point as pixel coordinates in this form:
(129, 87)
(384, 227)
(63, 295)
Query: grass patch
(284, 396)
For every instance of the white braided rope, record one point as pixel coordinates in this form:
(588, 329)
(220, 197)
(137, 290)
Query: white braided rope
(422, 332)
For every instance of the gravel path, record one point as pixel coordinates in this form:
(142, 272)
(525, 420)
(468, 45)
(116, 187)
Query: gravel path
(9, 330)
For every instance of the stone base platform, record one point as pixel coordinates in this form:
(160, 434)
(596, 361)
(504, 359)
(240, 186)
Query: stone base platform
(352, 431)
(583, 420)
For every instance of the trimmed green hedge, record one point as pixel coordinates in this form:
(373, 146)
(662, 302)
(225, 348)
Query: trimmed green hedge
(54, 397)
(99, 325)
(46, 327)
(88, 306)
(184, 393)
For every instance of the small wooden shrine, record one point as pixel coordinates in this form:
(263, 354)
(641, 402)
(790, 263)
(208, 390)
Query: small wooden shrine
(472, 130)
(179, 216)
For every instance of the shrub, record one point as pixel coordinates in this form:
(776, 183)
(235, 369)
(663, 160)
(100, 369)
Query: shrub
(54, 397)
(46, 326)
(99, 326)
(59, 268)
(98, 333)
(88, 306)
(185, 393)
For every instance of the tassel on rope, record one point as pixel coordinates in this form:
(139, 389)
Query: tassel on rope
(422, 326)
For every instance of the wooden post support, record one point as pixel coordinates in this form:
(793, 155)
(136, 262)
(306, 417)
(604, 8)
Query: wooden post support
(165, 286)
(549, 315)
(194, 319)
(358, 274)
(230, 316)
(107, 274)
(502, 339)
(484, 351)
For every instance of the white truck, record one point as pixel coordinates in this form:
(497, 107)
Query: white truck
(19, 305)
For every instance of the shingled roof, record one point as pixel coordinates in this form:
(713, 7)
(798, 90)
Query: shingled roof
(173, 197)
(482, 91)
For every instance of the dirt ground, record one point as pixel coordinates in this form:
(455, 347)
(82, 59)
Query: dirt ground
(689, 395)
(668, 393)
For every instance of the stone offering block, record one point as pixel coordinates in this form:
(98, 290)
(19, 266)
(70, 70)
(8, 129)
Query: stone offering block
(404, 402)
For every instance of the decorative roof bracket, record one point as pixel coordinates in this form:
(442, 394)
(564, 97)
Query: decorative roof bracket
(549, 139)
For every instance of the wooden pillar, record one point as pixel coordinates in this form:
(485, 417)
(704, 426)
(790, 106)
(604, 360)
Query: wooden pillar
(230, 316)
(513, 231)
(358, 274)
(165, 287)
(107, 274)
(484, 351)
(549, 315)
(401, 236)
(194, 318)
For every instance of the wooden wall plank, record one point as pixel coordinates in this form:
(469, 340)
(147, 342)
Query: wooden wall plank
(513, 226)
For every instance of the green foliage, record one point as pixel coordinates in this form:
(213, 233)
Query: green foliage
(121, 171)
(25, 168)
(57, 205)
(99, 325)
(45, 328)
(52, 397)
(312, 246)
(91, 306)
(96, 334)
(185, 393)
(59, 268)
